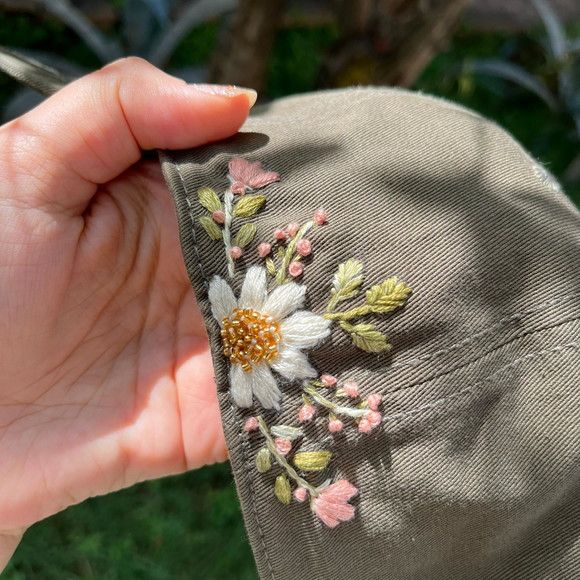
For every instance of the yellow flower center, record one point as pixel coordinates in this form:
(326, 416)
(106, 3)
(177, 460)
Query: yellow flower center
(250, 337)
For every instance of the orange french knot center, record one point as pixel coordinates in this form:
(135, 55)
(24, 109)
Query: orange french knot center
(250, 337)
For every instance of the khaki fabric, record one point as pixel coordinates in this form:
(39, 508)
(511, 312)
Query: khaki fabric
(475, 472)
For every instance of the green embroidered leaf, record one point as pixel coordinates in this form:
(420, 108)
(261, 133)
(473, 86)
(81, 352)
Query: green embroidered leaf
(280, 253)
(312, 460)
(245, 235)
(209, 199)
(286, 432)
(347, 280)
(270, 266)
(366, 337)
(249, 205)
(282, 489)
(263, 460)
(387, 296)
(212, 229)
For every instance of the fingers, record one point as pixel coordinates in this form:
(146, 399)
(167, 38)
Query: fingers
(94, 129)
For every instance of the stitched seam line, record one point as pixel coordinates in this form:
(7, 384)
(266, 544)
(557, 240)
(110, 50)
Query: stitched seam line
(243, 444)
(463, 392)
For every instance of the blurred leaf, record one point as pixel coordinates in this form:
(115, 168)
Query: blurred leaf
(554, 28)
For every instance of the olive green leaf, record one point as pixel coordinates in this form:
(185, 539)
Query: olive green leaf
(346, 282)
(263, 460)
(245, 235)
(270, 266)
(387, 296)
(212, 229)
(209, 199)
(282, 489)
(249, 205)
(366, 337)
(312, 460)
(286, 431)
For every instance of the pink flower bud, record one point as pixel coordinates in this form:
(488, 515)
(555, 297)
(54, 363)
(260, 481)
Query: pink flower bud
(304, 247)
(264, 249)
(374, 401)
(295, 269)
(283, 445)
(236, 252)
(320, 217)
(364, 426)
(280, 234)
(306, 413)
(335, 425)
(351, 389)
(374, 418)
(292, 229)
(251, 424)
(328, 380)
(219, 217)
(300, 494)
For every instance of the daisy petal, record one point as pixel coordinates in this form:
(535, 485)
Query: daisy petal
(304, 329)
(241, 386)
(284, 300)
(254, 289)
(221, 298)
(293, 364)
(265, 387)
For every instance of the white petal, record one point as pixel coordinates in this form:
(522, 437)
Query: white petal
(221, 298)
(241, 386)
(304, 329)
(254, 289)
(265, 387)
(293, 364)
(284, 300)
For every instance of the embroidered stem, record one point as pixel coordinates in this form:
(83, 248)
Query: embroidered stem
(281, 277)
(336, 409)
(352, 313)
(228, 208)
(281, 460)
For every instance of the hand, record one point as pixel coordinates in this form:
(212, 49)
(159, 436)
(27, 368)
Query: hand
(105, 372)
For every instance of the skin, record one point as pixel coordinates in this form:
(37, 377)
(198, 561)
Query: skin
(105, 373)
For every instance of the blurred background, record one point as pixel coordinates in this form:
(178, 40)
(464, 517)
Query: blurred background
(516, 62)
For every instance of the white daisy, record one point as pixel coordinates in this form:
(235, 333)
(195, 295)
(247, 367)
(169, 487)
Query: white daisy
(261, 332)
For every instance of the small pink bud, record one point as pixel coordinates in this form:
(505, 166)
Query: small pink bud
(283, 445)
(351, 389)
(300, 494)
(335, 425)
(328, 380)
(364, 426)
(280, 234)
(251, 424)
(304, 247)
(264, 249)
(374, 418)
(292, 229)
(306, 413)
(320, 217)
(374, 401)
(236, 252)
(219, 217)
(295, 269)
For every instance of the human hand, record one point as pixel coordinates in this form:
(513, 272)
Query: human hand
(105, 372)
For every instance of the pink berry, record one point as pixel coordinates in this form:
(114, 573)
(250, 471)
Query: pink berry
(292, 229)
(236, 252)
(335, 425)
(304, 247)
(328, 380)
(364, 426)
(320, 217)
(300, 494)
(283, 445)
(306, 413)
(280, 234)
(264, 249)
(295, 269)
(219, 217)
(374, 418)
(374, 401)
(251, 424)
(351, 389)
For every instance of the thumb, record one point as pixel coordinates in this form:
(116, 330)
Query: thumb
(93, 129)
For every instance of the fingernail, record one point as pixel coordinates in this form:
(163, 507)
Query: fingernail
(227, 91)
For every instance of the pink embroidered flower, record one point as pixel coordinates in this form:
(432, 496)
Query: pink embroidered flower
(283, 445)
(236, 252)
(335, 425)
(264, 249)
(295, 269)
(280, 234)
(331, 504)
(351, 389)
(251, 424)
(304, 247)
(364, 426)
(300, 494)
(320, 217)
(219, 217)
(292, 229)
(374, 418)
(306, 413)
(247, 176)
(328, 380)
(374, 401)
